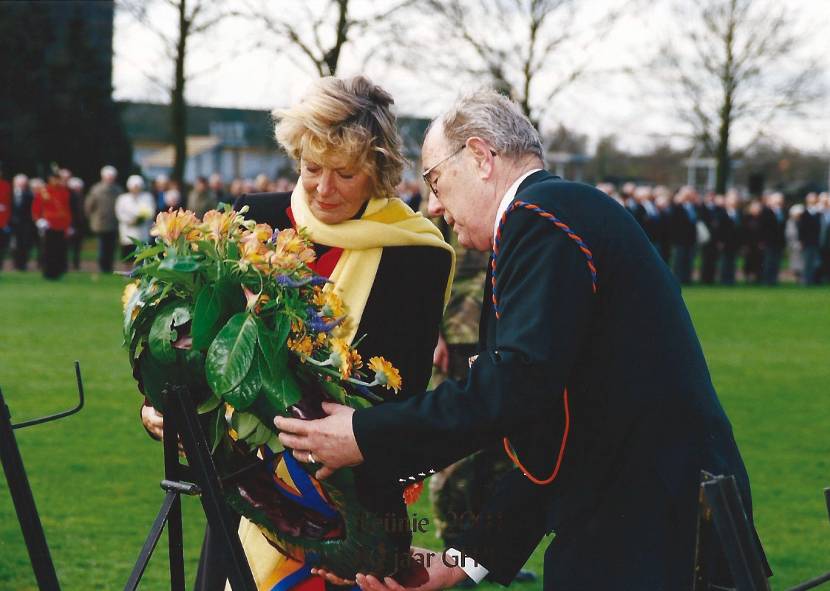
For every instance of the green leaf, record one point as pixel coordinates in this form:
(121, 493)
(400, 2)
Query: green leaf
(218, 429)
(231, 353)
(180, 264)
(282, 326)
(149, 252)
(244, 394)
(212, 308)
(335, 391)
(210, 404)
(357, 402)
(245, 424)
(274, 443)
(154, 378)
(279, 384)
(162, 336)
(261, 434)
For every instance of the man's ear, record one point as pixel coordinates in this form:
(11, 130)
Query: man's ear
(483, 155)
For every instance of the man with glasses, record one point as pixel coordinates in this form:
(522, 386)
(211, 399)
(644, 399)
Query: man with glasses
(588, 371)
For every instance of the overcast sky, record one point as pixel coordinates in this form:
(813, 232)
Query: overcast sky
(231, 74)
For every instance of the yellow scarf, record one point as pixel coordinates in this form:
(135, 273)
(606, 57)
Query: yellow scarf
(386, 222)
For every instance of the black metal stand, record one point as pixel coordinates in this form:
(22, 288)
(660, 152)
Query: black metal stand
(21, 492)
(722, 516)
(181, 422)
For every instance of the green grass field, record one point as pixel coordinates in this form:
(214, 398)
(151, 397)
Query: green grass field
(95, 475)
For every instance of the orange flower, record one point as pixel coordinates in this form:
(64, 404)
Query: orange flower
(220, 225)
(330, 304)
(303, 347)
(385, 374)
(172, 224)
(344, 357)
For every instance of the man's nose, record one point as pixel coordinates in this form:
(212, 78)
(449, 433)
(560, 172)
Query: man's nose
(434, 206)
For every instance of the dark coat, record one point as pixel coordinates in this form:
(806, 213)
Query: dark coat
(683, 227)
(772, 230)
(731, 232)
(644, 416)
(809, 229)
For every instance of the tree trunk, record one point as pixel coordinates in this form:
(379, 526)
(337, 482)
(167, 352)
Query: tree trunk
(724, 160)
(178, 113)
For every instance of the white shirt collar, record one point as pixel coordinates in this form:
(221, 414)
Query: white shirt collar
(508, 198)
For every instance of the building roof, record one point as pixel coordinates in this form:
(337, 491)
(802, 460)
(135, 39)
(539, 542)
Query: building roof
(150, 122)
(196, 144)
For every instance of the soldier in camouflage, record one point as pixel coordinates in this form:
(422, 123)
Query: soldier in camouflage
(458, 492)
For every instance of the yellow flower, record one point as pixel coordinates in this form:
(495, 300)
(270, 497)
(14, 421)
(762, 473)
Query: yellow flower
(291, 250)
(302, 347)
(385, 373)
(330, 304)
(127, 294)
(219, 225)
(172, 224)
(344, 357)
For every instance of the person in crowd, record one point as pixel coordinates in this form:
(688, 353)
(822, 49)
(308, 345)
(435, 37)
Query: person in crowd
(795, 254)
(261, 182)
(201, 198)
(824, 238)
(711, 214)
(52, 212)
(343, 136)
(773, 240)
(216, 185)
(235, 190)
(753, 252)
(75, 236)
(5, 217)
(22, 224)
(662, 202)
(684, 233)
(809, 236)
(161, 184)
(134, 210)
(99, 208)
(410, 193)
(608, 448)
(731, 236)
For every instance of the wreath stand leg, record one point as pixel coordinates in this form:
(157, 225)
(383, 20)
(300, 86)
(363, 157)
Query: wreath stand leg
(21, 492)
(181, 423)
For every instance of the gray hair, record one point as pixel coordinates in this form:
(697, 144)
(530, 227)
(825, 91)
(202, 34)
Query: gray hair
(496, 119)
(109, 171)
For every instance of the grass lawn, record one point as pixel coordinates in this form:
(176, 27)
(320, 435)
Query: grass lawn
(95, 475)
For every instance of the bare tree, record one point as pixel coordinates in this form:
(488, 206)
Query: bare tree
(193, 18)
(736, 63)
(531, 50)
(314, 33)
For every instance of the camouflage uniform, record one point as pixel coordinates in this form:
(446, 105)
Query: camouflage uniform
(459, 491)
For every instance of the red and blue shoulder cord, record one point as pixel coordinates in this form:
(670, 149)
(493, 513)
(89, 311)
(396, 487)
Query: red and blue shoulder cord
(508, 448)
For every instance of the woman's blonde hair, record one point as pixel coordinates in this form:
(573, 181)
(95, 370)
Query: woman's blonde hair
(347, 119)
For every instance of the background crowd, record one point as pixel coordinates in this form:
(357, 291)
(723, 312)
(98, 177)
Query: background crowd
(711, 238)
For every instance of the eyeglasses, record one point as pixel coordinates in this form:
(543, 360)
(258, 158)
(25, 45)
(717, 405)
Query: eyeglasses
(430, 182)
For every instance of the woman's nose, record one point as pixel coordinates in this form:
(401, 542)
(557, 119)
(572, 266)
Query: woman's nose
(326, 183)
(434, 206)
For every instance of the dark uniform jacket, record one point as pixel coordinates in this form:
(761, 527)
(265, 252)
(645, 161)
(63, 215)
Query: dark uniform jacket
(644, 418)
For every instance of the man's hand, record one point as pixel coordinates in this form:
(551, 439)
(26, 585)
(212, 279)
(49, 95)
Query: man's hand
(153, 421)
(329, 441)
(441, 355)
(436, 575)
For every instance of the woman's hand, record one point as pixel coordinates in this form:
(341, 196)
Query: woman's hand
(441, 355)
(153, 421)
(428, 572)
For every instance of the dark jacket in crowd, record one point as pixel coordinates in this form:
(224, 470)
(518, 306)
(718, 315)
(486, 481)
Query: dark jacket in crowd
(772, 228)
(683, 225)
(809, 229)
(731, 231)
